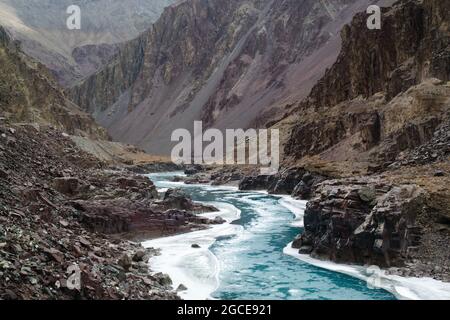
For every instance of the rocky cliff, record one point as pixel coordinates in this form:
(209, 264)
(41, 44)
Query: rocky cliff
(380, 115)
(386, 93)
(28, 93)
(232, 64)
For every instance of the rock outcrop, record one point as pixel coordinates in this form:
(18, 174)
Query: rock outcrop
(386, 94)
(364, 222)
(380, 114)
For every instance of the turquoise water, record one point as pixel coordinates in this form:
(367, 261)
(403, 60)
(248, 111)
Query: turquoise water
(252, 263)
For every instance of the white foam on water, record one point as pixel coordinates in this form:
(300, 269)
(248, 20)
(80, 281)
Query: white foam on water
(197, 269)
(401, 287)
(297, 207)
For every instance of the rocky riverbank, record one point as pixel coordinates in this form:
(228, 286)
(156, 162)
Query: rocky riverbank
(62, 208)
(397, 219)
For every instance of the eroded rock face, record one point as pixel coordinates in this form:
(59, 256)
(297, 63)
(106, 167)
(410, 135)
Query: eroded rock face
(262, 182)
(386, 93)
(363, 222)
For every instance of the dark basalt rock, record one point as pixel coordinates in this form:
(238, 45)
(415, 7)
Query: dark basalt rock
(262, 182)
(287, 181)
(349, 222)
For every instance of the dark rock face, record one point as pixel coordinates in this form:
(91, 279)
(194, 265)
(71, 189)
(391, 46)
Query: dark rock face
(67, 186)
(363, 222)
(386, 93)
(261, 182)
(178, 199)
(305, 188)
(435, 150)
(287, 181)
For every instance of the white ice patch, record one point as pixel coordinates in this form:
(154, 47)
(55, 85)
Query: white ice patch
(297, 207)
(403, 288)
(197, 269)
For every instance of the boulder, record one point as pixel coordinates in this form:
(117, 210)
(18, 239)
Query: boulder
(125, 262)
(178, 199)
(66, 185)
(139, 256)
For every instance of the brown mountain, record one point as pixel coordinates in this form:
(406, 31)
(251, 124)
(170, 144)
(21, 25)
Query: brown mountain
(233, 64)
(29, 94)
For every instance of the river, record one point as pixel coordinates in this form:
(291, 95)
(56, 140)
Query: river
(244, 259)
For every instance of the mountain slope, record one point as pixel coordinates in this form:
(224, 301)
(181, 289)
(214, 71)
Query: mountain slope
(72, 54)
(28, 93)
(231, 64)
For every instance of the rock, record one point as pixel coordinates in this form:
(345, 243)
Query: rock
(3, 174)
(439, 173)
(305, 250)
(367, 194)
(125, 262)
(301, 191)
(139, 256)
(163, 279)
(286, 181)
(178, 199)
(181, 287)
(261, 182)
(347, 223)
(194, 169)
(64, 223)
(57, 255)
(195, 246)
(66, 186)
(9, 295)
(219, 220)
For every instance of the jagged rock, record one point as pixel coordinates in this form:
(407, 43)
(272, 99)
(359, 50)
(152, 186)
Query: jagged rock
(3, 174)
(287, 181)
(139, 256)
(219, 220)
(177, 198)
(181, 287)
(367, 194)
(262, 182)
(125, 262)
(342, 226)
(163, 279)
(68, 186)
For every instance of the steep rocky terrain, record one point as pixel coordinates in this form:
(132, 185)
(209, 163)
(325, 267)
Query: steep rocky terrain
(232, 64)
(370, 147)
(40, 25)
(381, 110)
(28, 93)
(61, 207)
